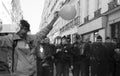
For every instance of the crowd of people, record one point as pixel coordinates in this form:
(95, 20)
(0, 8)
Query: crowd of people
(82, 58)
(33, 55)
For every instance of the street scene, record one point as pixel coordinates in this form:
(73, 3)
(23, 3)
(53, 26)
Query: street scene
(59, 37)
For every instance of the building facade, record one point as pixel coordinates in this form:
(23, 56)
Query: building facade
(113, 19)
(61, 27)
(16, 12)
(94, 17)
(5, 11)
(10, 15)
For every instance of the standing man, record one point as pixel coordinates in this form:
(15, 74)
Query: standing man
(76, 56)
(97, 57)
(117, 57)
(23, 61)
(109, 52)
(64, 58)
(46, 62)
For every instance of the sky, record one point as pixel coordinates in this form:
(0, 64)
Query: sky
(32, 11)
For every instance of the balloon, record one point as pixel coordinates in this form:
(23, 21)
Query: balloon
(67, 12)
(72, 1)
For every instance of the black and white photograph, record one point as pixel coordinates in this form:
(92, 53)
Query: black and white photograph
(59, 37)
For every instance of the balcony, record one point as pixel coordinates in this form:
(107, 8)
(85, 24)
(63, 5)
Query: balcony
(77, 21)
(86, 19)
(112, 5)
(71, 24)
(97, 13)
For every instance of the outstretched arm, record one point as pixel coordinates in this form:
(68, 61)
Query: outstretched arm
(42, 34)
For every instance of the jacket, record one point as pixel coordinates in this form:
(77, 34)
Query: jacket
(24, 59)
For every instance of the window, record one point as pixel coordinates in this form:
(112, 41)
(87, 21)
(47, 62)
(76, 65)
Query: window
(97, 4)
(115, 30)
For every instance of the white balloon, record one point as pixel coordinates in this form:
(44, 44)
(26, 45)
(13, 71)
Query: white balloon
(72, 1)
(67, 12)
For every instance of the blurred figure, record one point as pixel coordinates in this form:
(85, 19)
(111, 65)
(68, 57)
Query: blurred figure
(76, 56)
(86, 58)
(46, 58)
(80, 59)
(97, 57)
(109, 52)
(117, 57)
(57, 43)
(114, 40)
(64, 58)
(108, 40)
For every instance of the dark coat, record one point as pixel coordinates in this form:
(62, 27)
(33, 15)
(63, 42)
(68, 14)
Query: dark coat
(64, 56)
(98, 52)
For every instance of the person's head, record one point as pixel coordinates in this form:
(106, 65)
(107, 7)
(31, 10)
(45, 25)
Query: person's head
(99, 39)
(114, 40)
(107, 39)
(69, 39)
(77, 38)
(57, 40)
(47, 40)
(64, 40)
(24, 28)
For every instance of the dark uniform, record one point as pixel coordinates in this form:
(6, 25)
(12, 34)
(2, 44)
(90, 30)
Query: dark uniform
(45, 60)
(76, 59)
(86, 59)
(98, 56)
(63, 60)
(80, 59)
(117, 60)
(110, 58)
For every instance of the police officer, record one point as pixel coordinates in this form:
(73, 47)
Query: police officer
(97, 56)
(57, 43)
(64, 59)
(47, 53)
(109, 57)
(76, 56)
(85, 58)
(117, 58)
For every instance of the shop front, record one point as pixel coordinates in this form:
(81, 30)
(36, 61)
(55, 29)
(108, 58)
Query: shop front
(70, 32)
(90, 30)
(113, 25)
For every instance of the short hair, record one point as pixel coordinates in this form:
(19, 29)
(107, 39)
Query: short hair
(107, 38)
(77, 36)
(99, 37)
(64, 37)
(24, 23)
(114, 38)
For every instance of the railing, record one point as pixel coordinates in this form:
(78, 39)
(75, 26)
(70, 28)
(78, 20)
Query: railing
(112, 5)
(97, 13)
(71, 24)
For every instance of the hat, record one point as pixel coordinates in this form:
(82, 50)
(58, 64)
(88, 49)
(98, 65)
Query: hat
(99, 37)
(107, 38)
(64, 37)
(25, 24)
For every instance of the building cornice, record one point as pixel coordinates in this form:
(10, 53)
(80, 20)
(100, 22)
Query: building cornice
(112, 11)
